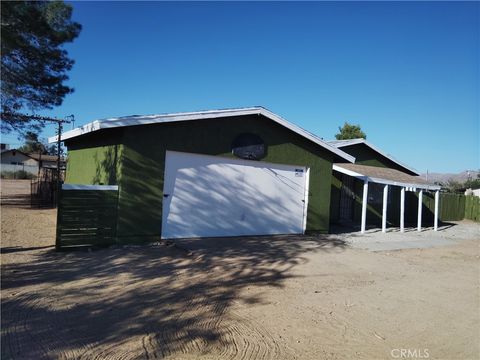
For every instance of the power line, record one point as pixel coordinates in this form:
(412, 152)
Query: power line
(41, 118)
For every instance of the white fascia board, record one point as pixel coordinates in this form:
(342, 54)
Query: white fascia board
(342, 143)
(407, 185)
(349, 172)
(211, 114)
(87, 128)
(151, 119)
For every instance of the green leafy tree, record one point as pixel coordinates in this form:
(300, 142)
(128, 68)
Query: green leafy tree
(34, 63)
(454, 186)
(34, 145)
(349, 131)
(473, 183)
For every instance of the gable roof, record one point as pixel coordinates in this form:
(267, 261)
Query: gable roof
(343, 143)
(44, 157)
(35, 156)
(5, 152)
(194, 116)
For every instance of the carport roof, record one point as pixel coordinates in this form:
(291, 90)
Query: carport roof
(198, 115)
(384, 175)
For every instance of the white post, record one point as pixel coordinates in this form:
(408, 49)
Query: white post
(364, 205)
(419, 216)
(384, 208)
(435, 219)
(402, 210)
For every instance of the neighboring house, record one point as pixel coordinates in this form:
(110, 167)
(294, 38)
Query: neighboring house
(16, 157)
(212, 173)
(382, 174)
(48, 161)
(4, 147)
(473, 192)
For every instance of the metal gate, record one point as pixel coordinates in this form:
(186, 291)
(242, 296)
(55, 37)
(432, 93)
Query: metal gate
(87, 215)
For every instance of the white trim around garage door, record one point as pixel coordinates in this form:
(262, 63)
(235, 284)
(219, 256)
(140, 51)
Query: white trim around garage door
(88, 187)
(307, 193)
(214, 196)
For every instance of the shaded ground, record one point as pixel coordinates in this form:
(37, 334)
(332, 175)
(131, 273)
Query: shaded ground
(15, 193)
(280, 297)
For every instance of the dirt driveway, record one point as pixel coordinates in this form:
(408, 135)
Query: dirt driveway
(281, 297)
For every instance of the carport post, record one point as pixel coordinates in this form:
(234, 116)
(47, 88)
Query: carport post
(384, 208)
(435, 219)
(364, 205)
(419, 217)
(402, 210)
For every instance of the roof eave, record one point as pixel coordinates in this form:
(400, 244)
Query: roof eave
(211, 114)
(384, 181)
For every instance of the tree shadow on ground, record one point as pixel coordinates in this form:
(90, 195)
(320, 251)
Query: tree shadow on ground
(13, 249)
(149, 301)
(16, 200)
(354, 230)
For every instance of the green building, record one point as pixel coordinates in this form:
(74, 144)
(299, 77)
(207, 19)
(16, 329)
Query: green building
(234, 172)
(213, 173)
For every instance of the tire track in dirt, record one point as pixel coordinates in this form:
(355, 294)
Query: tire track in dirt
(248, 340)
(51, 324)
(38, 328)
(233, 336)
(42, 341)
(219, 333)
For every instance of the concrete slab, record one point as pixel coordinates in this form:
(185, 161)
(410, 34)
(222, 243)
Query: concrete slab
(404, 244)
(393, 239)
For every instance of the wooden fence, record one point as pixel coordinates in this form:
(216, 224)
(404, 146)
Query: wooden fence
(472, 207)
(87, 215)
(453, 207)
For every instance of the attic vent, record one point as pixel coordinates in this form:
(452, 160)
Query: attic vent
(249, 146)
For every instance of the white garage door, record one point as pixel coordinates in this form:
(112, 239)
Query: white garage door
(206, 196)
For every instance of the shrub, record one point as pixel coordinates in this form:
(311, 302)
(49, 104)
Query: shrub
(20, 174)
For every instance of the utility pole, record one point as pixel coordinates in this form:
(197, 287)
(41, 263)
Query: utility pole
(59, 123)
(59, 153)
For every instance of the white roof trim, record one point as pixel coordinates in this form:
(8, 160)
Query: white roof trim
(343, 143)
(211, 114)
(384, 181)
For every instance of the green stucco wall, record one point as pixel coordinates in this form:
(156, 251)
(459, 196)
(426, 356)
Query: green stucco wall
(336, 188)
(96, 159)
(367, 156)
(142, 152)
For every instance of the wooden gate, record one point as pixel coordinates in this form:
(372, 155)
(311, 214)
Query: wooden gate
(87, 215)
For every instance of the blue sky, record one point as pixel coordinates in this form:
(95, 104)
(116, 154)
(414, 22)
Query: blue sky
(408, 73)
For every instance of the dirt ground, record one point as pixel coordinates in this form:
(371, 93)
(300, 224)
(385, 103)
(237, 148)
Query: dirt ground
(15, 193)
(281, 297)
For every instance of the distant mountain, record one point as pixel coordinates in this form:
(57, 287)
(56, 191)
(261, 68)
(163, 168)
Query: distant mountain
(444, 178)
